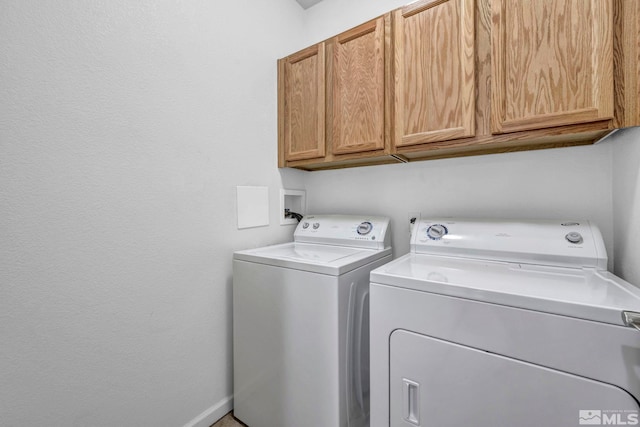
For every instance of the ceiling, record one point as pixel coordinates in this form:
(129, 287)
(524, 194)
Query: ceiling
(306, 4)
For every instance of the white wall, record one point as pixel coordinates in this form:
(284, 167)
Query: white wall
(626, 206)
(124, 129)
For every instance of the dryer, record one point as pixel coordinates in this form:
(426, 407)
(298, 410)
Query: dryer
(503, 323)
(301, 324)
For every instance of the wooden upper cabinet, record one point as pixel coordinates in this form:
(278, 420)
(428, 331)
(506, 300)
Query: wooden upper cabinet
(301, 104)
(434, 72)
(356, 92)
(333, 106)
(551, 64)
(442, 78)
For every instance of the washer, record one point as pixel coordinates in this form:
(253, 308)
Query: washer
(301, 324)
(503, 323)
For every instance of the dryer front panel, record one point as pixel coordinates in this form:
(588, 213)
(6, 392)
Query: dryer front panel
(442, 384)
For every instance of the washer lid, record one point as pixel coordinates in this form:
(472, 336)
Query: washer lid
(324, 259)
(320, 254)
(583, 293)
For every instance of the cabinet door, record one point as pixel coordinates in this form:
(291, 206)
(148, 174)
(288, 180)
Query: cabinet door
(434, 71)
(356, 110)
(302, 104)
(552, 63)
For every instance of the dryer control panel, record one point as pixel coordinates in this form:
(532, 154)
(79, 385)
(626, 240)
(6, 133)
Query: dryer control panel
(567, 243)
(345, 230)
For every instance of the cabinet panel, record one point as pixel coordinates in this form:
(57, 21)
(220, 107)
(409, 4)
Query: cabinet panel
(434, 72)
(552, 63)
(303, 115)
(356, 110)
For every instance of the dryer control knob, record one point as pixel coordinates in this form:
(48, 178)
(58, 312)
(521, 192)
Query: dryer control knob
(305, 225)
(364, 228)
(437, 231)
(316, 225)
(574, 237)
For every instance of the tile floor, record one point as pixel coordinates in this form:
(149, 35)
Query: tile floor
(228, 421)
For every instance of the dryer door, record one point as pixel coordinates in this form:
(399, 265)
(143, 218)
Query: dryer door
(441, 384)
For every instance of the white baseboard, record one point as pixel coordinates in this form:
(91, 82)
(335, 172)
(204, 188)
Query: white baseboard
(212, 414)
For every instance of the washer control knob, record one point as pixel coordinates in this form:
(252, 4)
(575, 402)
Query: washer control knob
(364, 228)
(316, 225)
(436, 231)
(305, 225)
(574, 237)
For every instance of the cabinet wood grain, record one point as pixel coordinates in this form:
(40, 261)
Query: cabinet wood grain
(356, 99)
(552, 63)
(434, 72)
(302, 104)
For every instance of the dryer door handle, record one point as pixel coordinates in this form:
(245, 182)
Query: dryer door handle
(631, 319)
(411, 401)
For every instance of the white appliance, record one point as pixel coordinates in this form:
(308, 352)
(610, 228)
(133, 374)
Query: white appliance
(301, 324)
(498, 323)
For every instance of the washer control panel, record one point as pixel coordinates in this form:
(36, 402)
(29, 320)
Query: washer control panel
(348, 230)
